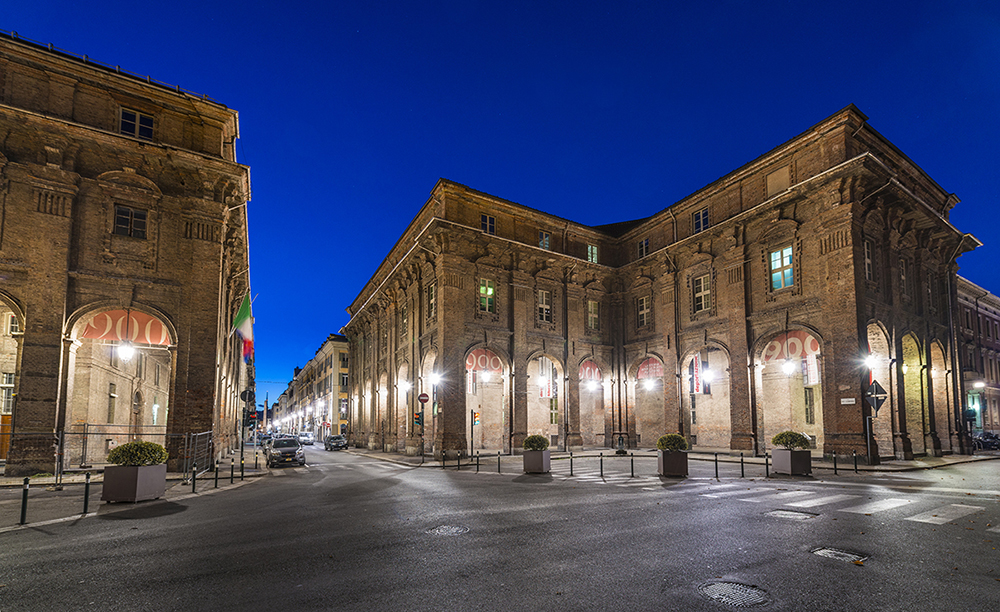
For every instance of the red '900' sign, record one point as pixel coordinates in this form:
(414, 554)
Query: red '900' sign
(484, 360)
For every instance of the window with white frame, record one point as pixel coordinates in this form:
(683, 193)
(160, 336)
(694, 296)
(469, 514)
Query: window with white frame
(593, 314)
(544, 240)
(487, 296)
(782, 274)
(136, 124)
(592, 253)
(489, 224)
(7, 393)
(642, 311)
(701, 288)
(869, 260)
(699, 220)
(13, 325)
(343, 382)
(544, 306)
(404, 321)
(643, 248)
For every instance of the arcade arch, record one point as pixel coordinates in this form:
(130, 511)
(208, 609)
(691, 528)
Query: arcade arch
(705, 398)
(485, 398)
(790, 380)
(546, 393)
(650, 420)
(595, 422)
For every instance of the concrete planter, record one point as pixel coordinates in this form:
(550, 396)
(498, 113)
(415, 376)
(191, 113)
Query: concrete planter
(672, 463)
(791, 462)
(536, 462)
(133, 483)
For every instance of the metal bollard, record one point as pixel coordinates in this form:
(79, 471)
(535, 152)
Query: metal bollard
(742, 473)
(602, 465)
(86, 494)
(767, 468)
(632, 456)
(498, 462)
(216, 473)
(716, 466)
(24, 502)
(855, 461)
(458, 463)
(477, 462)
(255, 466)
(835, 464)
(194, 477)
(232, 470)
(570, 463)
(241, 467)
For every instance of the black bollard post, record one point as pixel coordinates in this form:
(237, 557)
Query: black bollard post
(232, 470)
(216, 473)
(255, 466)
(24, 501)
(742, 473)
(835, 464)
(241, 466)
(498, 462)
(602, 465)
(86, 494)
(194, 477)
(767, 468)
(477, 462)
(632, 457)
(855, 461)
(716, 466)
(570, 463)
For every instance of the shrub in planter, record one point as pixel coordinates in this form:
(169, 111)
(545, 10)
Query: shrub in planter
(536, 454)
(140, 473)
(794, 457)
(671, 460)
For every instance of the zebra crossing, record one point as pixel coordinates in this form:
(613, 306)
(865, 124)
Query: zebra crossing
(322, 467)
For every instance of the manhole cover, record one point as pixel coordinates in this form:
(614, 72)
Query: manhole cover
(839, 555)
(448, 530)
(734, 594)
(791, 514)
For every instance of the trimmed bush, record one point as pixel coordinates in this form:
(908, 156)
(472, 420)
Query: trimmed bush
(138, 452)
(672, 442)
(536, 442)
(790, 440)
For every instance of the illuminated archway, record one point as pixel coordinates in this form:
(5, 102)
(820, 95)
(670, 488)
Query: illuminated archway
(485, 400)
(705, 398)
(790, 379)
(595, 424)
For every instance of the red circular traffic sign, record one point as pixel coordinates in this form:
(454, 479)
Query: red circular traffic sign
(423, 397)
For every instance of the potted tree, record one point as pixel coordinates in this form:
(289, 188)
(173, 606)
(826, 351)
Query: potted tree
(536, 454)
(794, 457)
(140, 472)
(671, 458)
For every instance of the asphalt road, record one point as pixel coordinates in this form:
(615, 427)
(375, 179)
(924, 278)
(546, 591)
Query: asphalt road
(350, 532)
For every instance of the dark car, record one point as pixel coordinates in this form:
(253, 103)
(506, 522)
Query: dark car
(335, 442)
(284, 451)
(984, 440)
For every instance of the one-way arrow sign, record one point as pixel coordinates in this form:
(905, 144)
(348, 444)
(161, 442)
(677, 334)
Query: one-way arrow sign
(875, 396)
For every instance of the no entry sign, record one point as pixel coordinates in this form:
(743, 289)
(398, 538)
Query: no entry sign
(422, 398)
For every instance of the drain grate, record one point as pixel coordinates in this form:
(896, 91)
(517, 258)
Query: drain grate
(840, 555)
(734, 594)
(448, 530)
(791, 514)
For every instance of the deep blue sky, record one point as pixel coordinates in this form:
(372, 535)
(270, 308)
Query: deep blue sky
(594, 111)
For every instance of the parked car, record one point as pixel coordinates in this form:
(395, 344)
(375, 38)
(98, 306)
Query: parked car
(285, 450)
(985, 440)
(335, 442)
(264, 439)
(306, 437)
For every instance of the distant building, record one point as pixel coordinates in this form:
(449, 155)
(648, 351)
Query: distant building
(771, 299)
(977, 323)
(123, 222)
(316, 397)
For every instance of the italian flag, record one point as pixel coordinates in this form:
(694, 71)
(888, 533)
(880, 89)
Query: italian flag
(243, 325)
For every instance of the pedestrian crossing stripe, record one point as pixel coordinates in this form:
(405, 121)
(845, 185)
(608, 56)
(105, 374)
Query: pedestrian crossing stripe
(878, 506)
(820, 501)
(945, 514)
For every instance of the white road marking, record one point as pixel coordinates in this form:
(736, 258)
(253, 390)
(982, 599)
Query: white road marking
(877, 506)
(820, 501)
(945, 514)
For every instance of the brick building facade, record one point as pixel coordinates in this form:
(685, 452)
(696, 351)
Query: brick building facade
(123, 220)
(768, 300)
(977, 324)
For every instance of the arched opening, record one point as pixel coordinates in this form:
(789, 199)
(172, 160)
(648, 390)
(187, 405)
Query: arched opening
(595, 422)
(878, 362)
(705, 398)
(791, 388)
(939, 393)
(379, 439)
(404, 389)
(545, 398)
(915, 394)
(119, 359)
(429, 379)
(11, 324)
(485, 400)
(650, 420)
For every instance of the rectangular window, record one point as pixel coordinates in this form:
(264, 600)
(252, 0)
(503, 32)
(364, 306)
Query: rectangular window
(699, 220)
(112, 396)
(544, 240)
(343, 383)
(701, 287)
(136, 124)
(404, 321)
(489, 224)
(642, 311)
(7, 393)
(343, 361)
(643, 247)
(592, 253)
(545, 306)
(869, 260)
(781, 269)
(593, 314)
(487, 298)
(778, 181)
(431, 302)
(130, 222)
(13, 326)
(810, 403)
(343, 409)
(156, 376)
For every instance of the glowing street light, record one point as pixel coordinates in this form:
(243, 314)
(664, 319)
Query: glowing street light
(788, 367)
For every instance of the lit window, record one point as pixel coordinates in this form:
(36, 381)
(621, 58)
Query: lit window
(869, 260)
(544, 240)
(699, 220)
(592, 253)
(545, 306)
(7, 393)
(642, 311)
(593, 314)
(701, 288)
(136, 124)
(404, 321)
(904, 283)
(130, 222)
(643, 249)
(13, 325)
(489, 224)
(431, 301)
(781, 269)
(487, 298)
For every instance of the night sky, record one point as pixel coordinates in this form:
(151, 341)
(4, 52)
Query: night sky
(597, 112)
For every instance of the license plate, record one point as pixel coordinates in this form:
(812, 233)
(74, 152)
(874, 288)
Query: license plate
(288, 459)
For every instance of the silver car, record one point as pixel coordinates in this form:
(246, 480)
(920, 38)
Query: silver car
(284, 451)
